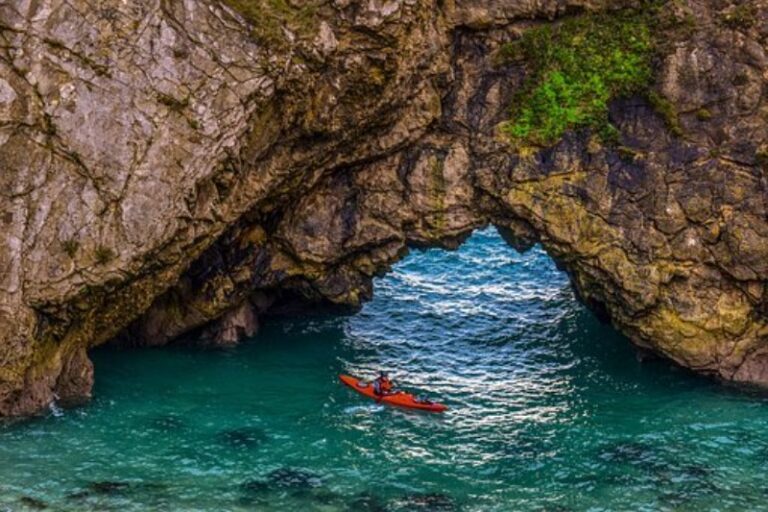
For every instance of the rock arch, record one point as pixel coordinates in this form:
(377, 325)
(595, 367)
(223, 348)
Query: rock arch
(242, 174)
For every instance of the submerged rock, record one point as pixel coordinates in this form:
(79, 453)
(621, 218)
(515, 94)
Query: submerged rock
(245, 437)
(255, 486)
(118, 489)
(108, 487)
(185, 180)
(33, 503)
(100, 488)
(295, 481)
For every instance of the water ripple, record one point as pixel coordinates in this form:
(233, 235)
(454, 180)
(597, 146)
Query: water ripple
(548, 411)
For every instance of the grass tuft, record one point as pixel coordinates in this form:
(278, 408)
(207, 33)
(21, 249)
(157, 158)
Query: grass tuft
(103, 255)
(70, 247)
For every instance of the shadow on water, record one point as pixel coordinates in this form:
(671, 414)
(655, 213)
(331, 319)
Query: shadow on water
(549, 410)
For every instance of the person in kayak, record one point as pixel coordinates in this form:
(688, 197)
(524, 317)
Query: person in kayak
(382, 385)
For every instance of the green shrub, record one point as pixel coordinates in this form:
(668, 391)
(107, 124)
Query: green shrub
(574, 69)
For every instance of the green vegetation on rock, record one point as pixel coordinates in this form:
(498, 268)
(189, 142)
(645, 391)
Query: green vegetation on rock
(172, 103)
(666, 110)
(103, 255)
(270, 16)
(761, 157)
(70, 247)
(740, 17)
(574, 69)
(703, 114)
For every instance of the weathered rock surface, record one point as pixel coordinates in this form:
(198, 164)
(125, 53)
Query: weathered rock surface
(166, 172)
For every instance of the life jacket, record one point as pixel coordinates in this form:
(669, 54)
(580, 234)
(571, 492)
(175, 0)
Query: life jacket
(382, 385)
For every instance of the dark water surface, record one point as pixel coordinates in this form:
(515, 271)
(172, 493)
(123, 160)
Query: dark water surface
(549, 411)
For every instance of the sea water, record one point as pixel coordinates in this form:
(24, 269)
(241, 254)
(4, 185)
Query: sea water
(549, 410)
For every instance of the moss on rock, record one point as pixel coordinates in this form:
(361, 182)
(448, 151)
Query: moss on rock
(574, 69)
(269, 17)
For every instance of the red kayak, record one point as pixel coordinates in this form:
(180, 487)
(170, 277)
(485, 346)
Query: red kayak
(398, 398)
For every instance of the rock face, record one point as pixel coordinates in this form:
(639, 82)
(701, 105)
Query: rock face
(167, 168)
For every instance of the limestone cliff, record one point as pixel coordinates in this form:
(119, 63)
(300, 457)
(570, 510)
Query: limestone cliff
(178, 166)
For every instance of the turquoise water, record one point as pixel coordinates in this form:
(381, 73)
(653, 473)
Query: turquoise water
(549, 411)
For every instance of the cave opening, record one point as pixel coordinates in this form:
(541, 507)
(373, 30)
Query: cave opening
(480, 313)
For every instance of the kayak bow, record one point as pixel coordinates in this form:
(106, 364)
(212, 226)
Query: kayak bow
(397, 399)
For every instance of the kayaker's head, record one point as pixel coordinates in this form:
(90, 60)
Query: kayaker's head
(383, 375)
